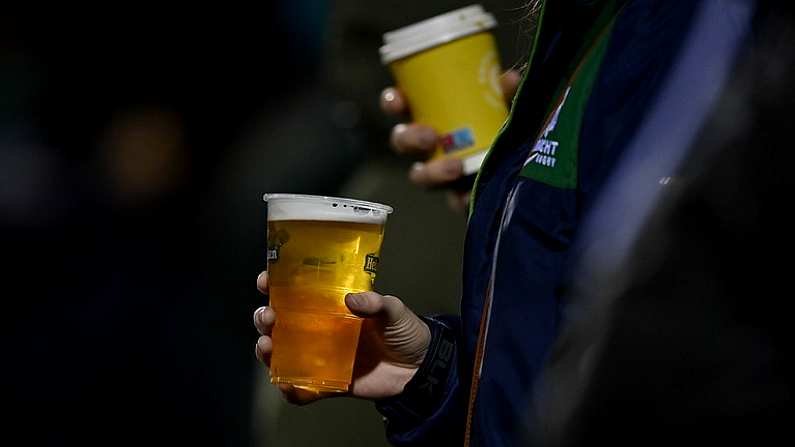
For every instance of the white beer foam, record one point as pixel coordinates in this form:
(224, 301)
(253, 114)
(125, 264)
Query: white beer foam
(302, 207)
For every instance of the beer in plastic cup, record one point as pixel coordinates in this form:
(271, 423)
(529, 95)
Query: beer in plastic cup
(319, 250)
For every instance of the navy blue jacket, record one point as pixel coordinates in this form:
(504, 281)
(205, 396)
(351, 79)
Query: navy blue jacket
(522, 232)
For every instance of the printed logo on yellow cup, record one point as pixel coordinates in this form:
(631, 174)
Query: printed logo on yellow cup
(448, 69)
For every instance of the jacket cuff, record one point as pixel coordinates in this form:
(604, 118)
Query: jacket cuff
(425, 392)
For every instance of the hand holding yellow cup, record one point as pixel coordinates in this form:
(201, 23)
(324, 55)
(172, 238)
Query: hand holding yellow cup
(448, 69)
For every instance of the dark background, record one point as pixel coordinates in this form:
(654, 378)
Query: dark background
(136, 142)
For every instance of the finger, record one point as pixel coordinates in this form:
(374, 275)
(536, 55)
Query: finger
(372, 304)
(300, 396)
(436, 173)
(264, 317)
(458, 201)
(413, 139)
(262, 282)
(263, 350)
(509, 81)
(392, 102)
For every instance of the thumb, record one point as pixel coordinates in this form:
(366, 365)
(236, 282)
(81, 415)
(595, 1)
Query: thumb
(374, 305)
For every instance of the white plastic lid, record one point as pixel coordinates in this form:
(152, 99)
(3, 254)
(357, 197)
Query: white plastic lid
(473, 162)
(435, 31)
(306, 207)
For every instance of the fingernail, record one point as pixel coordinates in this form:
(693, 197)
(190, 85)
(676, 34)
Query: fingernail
(355, 299)
(416, 173)
(389, 95)
(261, 315)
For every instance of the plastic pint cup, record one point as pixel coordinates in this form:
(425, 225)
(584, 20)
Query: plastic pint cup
(448, 69)
(319, 250)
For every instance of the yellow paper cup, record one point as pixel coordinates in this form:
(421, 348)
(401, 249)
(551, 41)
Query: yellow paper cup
(448, 69)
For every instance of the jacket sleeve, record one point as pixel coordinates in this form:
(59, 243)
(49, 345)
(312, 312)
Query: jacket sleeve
(431, 410)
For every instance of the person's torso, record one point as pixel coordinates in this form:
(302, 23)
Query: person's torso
(588, 88)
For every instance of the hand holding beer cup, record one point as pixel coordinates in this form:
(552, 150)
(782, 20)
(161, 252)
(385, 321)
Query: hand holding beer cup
(325, 331)
(391, 347)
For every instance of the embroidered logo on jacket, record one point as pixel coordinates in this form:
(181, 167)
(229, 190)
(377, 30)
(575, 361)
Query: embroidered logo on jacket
(553, 159)
(544, 152)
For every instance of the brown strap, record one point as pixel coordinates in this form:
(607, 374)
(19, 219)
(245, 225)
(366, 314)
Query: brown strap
(473, 389)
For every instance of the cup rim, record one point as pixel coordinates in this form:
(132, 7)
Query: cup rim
(434, 31)
(269, 197)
